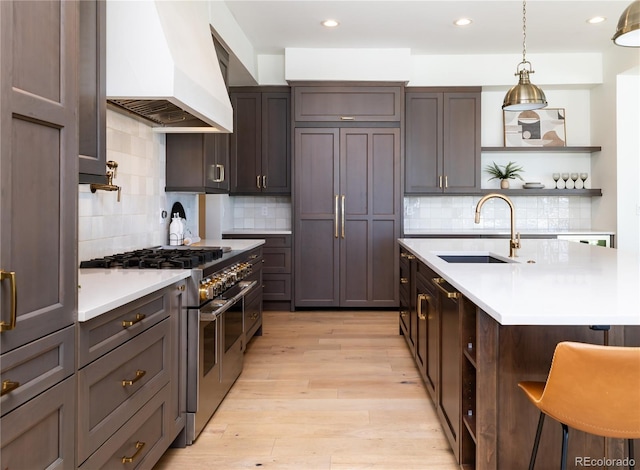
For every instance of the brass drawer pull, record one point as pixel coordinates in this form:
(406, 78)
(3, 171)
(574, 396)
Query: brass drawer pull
(347, 118)
(128, 323)
(438, 281)
(253, 316)
(253, 256)
(264, 182)
(335, 223)
(139, 375)
(407, 255)
(11, 276)
(421, 298)
(404, 313)
(343, 198)
(258, 182)
(404, 280)
(182, 287)
(139, 447)
(8, 386)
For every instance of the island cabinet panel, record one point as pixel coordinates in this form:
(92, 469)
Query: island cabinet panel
(407, 292)
(442, 141)
(347, 103)
(347, 217)
(428, 336)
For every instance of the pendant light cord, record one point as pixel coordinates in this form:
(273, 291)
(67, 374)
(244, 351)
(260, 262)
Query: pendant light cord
(524, 31)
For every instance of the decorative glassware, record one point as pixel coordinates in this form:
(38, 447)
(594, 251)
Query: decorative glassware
(583, 177)
(556, 177)
(565, 177)
(574, 178)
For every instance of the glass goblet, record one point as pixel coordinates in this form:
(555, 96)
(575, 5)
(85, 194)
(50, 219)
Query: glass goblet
(574, 178)
(583, 177)
(556, 177)
(565, 177)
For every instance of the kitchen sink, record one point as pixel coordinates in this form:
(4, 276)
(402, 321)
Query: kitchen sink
(471, 259)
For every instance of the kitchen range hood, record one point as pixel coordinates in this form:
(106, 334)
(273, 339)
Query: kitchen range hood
(162, 65)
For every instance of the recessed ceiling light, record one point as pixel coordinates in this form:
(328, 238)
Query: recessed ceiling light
(463, 22)
(330, 23)
(596, 20)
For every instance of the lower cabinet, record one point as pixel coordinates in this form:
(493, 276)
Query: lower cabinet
(131, 388)
(40, 434)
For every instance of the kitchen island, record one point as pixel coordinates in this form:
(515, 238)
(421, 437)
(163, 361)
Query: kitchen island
(477, 329)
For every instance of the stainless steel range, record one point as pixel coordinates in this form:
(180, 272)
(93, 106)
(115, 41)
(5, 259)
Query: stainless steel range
(217, 319)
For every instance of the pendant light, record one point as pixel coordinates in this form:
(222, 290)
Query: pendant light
(628, 30)
(525, 95)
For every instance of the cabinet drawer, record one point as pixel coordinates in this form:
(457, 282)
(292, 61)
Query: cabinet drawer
(426, 274)
(345, 104)
(105, 402)
(36, 367)
(40, 434)
(277, 287)
(104, 333)
(252, 314)
(276, 260)
(143, 438)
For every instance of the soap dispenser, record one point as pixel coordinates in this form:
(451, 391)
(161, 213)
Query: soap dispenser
(176, 230)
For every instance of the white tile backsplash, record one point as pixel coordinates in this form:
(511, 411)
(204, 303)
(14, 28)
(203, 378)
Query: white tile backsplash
(106, 226)
(449, 213)
(261, 212)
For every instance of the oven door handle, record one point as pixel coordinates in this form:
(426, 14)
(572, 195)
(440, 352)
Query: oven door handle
(209, 314)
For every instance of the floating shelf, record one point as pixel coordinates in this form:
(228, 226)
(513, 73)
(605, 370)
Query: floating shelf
(515, 192)
(543, 149)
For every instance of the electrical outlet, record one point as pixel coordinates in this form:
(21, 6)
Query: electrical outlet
(265, 211)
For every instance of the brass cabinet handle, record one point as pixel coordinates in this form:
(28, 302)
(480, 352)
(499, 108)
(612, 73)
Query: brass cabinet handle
(11, 276)
(335, 223)
(139, 447)
(128, 323)
(264, 181)
(220, 178)
(139, 375)
(343, 198)
(440, 181)
(253, 256)
(438, 281)
(253, 316)
(421, 298)
(446, 181)
(407, 255)
(258, 181)
(347, 118)
(404, 280)
(404, 313)
(182, 287)
(8, 386)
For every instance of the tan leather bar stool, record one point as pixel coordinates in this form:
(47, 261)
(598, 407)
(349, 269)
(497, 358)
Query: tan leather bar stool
(592, 388)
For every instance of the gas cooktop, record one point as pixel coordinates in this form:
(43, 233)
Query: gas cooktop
(159, 258)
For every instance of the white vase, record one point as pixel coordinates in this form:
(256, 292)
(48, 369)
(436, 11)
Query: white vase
(504, 184)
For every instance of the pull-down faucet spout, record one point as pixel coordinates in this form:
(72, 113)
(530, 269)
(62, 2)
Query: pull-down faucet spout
(514, 242)
(111, 173)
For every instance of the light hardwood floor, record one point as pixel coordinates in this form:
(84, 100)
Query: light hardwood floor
(323, 390)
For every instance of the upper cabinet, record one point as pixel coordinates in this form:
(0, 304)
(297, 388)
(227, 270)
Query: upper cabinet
(442, 140)
(92, 104)
(260, 146)
(197, 163)
(348, 103)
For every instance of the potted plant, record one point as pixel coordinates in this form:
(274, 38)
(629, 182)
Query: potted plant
(504, 173)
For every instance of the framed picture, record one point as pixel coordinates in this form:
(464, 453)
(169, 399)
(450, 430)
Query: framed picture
(535, 128)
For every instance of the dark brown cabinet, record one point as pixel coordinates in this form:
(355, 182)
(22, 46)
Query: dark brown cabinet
(347, 217)
(442, 141)
(92, 91)
(197, 163)
(348, 103)
(260, 146)
(38, 221)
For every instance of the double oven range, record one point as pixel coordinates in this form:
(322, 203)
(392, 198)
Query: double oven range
(223, 310)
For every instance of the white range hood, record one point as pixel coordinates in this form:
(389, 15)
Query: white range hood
(162, 65)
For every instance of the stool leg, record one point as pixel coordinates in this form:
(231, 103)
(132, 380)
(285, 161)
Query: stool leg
(534, 452)
(632, 462)
(565, 444)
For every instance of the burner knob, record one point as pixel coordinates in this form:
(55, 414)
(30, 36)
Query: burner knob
(203, 290)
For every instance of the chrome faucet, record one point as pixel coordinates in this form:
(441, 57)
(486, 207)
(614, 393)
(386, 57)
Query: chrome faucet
(514, 242)
(112, 168)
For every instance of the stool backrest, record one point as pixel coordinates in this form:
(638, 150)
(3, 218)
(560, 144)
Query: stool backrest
(595, 389)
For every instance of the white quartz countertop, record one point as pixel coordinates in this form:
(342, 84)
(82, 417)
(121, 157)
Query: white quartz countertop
(569, 283)
(102, 290)
(256, 231)
(483, 231)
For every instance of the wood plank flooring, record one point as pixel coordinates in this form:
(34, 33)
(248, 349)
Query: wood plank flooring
(323, 390)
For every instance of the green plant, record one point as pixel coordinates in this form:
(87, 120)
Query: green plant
(509, 171)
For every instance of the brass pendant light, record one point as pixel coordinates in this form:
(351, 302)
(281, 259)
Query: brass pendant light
(628, 30)
(525, 95)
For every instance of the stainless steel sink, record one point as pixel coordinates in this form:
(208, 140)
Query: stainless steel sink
(471, 259)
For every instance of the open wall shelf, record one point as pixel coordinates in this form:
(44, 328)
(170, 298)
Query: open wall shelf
(580, 149)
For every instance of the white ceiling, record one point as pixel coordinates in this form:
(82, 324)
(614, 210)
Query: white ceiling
(426, 27)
